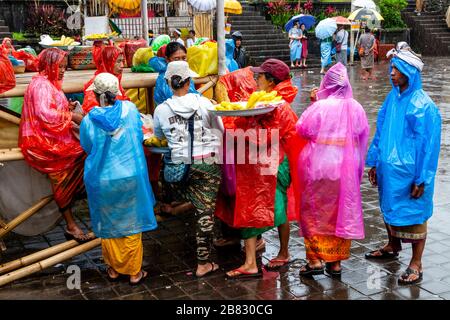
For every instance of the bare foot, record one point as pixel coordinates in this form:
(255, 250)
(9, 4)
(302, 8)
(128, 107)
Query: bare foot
(74, 231)
(112, 274)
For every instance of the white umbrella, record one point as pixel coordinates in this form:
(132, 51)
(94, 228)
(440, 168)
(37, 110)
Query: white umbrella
(203, 5)
(369, 4)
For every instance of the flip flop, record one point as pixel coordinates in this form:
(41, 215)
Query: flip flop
(332, 273)
(111, 279)
(285, 262)
(242, 274)
(194, 273)
(311, 271)
(405, 275)
(144, 275)
(70, 236)
(384, 254)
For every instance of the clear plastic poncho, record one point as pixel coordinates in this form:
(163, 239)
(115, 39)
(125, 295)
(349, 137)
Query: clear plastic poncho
(332, 162)
(405, 150)
(120, 197)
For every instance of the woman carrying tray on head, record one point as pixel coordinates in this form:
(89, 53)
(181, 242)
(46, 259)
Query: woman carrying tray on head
(261, 201)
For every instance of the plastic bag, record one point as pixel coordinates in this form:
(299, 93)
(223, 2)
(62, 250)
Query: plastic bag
(159, 41)
(130, 49)
(7, 77)
(142, 56)
(203, 59)
(147, 125)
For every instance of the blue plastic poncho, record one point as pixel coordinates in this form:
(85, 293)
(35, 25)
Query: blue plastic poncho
(325, 53)
(162, 90)
(120, 197)
(405, 150)
(229, 60)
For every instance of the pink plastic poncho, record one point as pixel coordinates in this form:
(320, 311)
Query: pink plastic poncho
(332, 163)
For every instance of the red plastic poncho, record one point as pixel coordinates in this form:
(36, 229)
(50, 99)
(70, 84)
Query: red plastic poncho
(7, 46)
(7, 77)
(45, 133)
(240, 84)
(255, 194)
(105, 59)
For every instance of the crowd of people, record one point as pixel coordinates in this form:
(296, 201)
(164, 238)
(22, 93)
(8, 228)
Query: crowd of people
(314, 178)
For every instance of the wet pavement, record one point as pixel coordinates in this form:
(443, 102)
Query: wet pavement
(169, 253)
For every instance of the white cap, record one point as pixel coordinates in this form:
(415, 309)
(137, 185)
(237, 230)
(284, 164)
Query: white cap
(179, 68)
(178, 31)
(105, 82)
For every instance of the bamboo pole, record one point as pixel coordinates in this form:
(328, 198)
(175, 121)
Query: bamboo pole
(46, 263)
(40, 255)
(25, 215)
(9, 117)
(11, 154)
(206, 86)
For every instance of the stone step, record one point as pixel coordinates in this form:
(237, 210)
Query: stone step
(5, 35)
(441, 24)
(278, 41)
(253, 27)
(258, 37)
(436, 32)
(268, 46)
(2, 22)
(255, 32)
(4, 29)
(253, 18)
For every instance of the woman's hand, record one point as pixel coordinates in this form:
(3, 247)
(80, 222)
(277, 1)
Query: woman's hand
(417, 190)
(77, 117)
(373, 176)
(313, 94)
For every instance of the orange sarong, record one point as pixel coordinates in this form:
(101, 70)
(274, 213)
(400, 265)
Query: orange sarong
(66, 184)
(327, 248)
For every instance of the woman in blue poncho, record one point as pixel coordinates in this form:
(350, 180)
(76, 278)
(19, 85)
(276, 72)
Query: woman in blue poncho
(403, 158)
(119, 193)
(232, 65)
(174, 52)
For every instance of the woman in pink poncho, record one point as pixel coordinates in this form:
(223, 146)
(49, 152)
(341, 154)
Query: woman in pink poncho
(331, 168)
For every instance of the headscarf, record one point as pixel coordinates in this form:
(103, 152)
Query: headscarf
(404, 52)
(3, 46)
(49, 61)
(335, 83)
(110, 54)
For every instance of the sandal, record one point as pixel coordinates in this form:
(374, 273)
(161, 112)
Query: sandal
(284, 263)
(214, 268)
(112, 279)
(242, 274)
(144, 274)
(384, 254)
(331, 272)
(405, 276)
(310, 271)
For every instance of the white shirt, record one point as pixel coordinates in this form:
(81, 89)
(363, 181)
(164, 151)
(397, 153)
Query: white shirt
(190, 42)
(180, 41)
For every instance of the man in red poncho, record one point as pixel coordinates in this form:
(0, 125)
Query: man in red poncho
(261, 200)
(46, 136)
(107, 59)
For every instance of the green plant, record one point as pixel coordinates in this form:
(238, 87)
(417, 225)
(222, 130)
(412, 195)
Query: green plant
(46, 19)
(391, 12)
(18, 36)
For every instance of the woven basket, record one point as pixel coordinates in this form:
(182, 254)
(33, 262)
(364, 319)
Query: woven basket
(81, 58)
